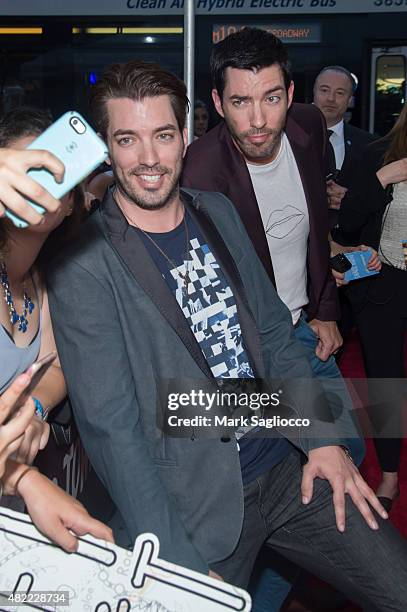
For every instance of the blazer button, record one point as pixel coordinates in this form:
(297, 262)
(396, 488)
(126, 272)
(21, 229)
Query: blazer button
(225, 439)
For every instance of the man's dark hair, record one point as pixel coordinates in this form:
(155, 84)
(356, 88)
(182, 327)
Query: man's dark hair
(248, 49)
(23, 121)
(342, 70)
(137, 80)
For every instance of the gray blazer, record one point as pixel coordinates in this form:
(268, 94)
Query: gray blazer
(119, 330)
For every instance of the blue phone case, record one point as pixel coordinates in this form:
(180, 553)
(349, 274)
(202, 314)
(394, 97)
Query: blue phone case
(77, 145)
(359, 260)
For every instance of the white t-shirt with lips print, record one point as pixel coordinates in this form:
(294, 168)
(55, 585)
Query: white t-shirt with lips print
(284, 212)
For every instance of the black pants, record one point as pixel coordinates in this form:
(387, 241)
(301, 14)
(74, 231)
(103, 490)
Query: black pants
(369, 567)
(382, 325)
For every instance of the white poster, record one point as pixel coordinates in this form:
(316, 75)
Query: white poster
(101, 577)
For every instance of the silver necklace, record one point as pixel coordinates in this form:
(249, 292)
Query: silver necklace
(185, 277)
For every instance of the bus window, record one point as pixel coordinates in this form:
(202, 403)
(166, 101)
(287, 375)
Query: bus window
(390, 91)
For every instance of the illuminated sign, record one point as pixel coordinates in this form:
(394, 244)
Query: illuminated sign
(286, 32)
(120, 8)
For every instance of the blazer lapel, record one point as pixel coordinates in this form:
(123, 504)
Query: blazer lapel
(240, 191)
(131, 250)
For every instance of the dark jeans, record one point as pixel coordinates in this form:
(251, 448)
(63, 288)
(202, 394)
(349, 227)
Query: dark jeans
(369, 567)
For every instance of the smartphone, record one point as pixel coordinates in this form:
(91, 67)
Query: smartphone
(332, 176)
(340, 263)
(77, 145)
(39, 368)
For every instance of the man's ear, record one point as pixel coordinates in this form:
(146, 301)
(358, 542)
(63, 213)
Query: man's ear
(217, 102)
(290, 94)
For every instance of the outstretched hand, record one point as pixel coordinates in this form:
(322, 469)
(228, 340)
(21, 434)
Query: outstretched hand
(332, 463)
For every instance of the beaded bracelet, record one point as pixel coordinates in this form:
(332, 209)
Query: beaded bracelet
(29, 468)
(39, 410)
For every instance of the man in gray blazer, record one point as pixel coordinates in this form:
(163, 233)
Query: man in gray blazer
(163, 283)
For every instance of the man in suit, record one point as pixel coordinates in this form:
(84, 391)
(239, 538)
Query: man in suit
(333, 91)
(164, 282)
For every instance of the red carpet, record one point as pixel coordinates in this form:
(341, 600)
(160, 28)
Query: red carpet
(351, 366)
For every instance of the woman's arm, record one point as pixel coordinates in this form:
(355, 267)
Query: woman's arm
(50, 391)
(56, 514)
(13, 426)
(393, 173)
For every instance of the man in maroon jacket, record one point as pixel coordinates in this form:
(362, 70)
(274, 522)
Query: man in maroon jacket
(268, 157)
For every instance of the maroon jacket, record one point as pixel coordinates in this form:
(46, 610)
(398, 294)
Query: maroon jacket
(213, 163)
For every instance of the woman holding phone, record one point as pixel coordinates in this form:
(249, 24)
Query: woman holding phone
(376, 206)
(25, 325)
(26, 331)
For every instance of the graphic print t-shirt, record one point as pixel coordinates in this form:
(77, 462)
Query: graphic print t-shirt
(284, 212)
(209, 307)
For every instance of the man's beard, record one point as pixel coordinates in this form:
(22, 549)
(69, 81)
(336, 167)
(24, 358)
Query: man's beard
(258, 152)
(149, 200)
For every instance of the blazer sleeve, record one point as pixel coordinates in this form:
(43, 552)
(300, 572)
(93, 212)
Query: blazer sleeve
(327, 308)
(91, 344)
(283, 355)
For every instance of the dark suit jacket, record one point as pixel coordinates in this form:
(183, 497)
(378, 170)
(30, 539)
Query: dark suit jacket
(214, 163)
(356, 141)
(120, 334)
(361, 214)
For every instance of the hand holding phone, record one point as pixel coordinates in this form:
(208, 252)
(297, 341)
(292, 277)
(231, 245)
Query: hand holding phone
(36, 371)
(77, 146)
(15, 184)
(340, 263)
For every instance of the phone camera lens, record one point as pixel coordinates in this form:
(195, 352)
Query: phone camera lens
(77, 125)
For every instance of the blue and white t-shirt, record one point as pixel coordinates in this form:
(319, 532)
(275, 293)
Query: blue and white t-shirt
(208, 304)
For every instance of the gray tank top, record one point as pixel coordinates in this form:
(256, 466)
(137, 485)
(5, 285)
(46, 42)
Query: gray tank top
(14, 360)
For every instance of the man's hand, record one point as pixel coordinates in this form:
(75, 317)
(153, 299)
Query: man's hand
(335, 194)
(16, 185)
(330, 340)
(331, 463)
